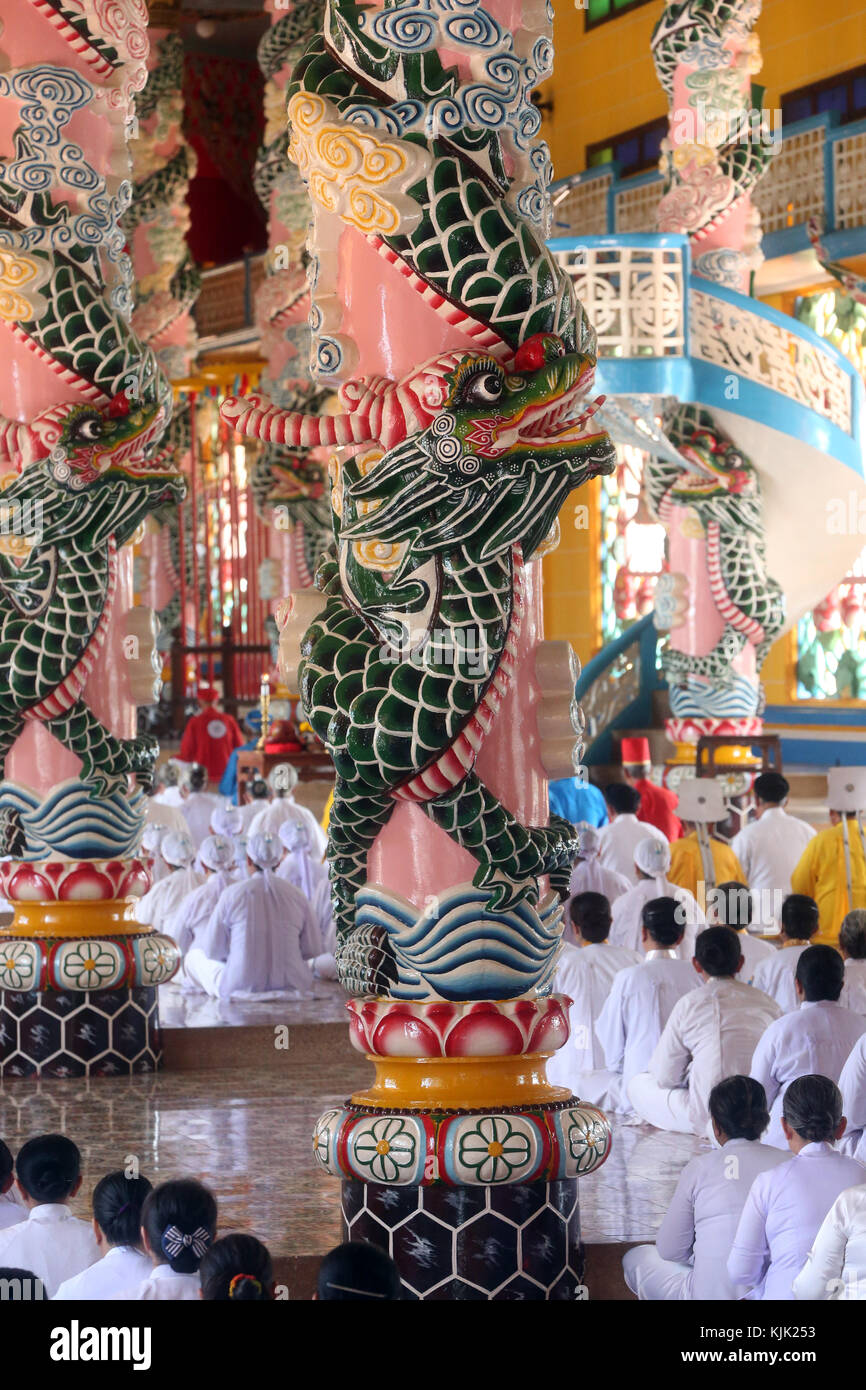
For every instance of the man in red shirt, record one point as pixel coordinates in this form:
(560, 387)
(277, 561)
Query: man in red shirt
(210, 737)
(657, 804)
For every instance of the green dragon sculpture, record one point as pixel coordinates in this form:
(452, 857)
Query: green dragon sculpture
(723, 491)
(88, 470)
(473, 455)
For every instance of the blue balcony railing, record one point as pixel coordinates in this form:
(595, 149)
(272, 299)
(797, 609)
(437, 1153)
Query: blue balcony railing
(818, 171)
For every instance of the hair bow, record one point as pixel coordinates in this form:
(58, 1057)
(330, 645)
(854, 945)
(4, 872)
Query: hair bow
(174, 1240)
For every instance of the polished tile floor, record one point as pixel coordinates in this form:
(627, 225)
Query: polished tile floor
(248, 1136)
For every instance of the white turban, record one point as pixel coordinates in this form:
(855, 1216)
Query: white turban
(589, 841)
(216, 852)
(283, 779)
(265, 851)
(652, 857)
(227, 821)
(177, 849)
(293, 834)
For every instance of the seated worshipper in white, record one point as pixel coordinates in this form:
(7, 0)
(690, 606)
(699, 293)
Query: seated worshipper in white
(188, 921)
(228, 820)
(259, 936)
(167, 783)
(641, 998)
(257, 790)
(152, 837)
(689, 1258)
(624, 831)
(590, 876)
(775, 975)
(835, 1267)
(156, 813)
(160, 902)
(712, 1033)
(652, 859)
(117, 1203)
(770, 847)
(815, 1040)
(48, 1240)
(198, 803)
(787, 1204)
(585, 973)
(283, 807)
(730, 905)
(310, 877)
(178, 1226)
(852, 1084)
(852, 945)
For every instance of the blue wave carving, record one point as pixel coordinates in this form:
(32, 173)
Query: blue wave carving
(458, 949)
(71, 821)
(697, 699)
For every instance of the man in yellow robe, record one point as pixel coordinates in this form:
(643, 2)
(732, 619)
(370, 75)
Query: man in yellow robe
(821, 873)
(687, 868)
(700, 861)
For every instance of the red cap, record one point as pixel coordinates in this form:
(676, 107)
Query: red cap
(636, 750)
(208, 694)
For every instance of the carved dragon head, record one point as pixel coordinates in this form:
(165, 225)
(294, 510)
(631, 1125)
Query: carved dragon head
(475, 452)
(495, 464)
(94, 471)
(721, 469)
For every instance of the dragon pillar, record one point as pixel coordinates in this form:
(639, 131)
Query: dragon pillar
(167, 283)
(721, 608)
(85, 406)
(289, 484)
(464, 421)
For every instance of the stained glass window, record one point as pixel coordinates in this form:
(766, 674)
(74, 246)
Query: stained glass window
(633, 150)
(599, 11)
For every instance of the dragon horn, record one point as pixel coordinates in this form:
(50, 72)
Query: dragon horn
(260, 418)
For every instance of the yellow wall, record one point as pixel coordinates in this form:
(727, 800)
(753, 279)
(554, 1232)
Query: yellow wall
(604, 81)
(572, 596)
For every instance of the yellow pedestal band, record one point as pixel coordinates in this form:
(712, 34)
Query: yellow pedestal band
(460, 1083)
(103, 917)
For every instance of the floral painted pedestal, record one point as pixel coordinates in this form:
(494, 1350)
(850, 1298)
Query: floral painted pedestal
(472, 1200)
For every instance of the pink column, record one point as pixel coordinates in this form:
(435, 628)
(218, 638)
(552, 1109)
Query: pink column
(84, 408)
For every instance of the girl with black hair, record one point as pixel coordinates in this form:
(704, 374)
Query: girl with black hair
(237, 1269)
(117, 1204)
(48, 1239)
(11, 1210)
(696, 1235)
(787, 1204)
(178, 1225)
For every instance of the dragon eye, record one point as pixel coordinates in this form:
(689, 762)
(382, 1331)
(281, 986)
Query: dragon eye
(89, 428)
(483, 389)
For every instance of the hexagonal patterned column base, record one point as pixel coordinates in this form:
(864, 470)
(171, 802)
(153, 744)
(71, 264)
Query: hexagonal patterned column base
(109, 1032)
(519, 1242)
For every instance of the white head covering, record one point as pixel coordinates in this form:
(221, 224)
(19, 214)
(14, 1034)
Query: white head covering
(151, 836)
(177, 849)
(217, 852)
(589, 841)
(652, 857)
(293, 834)
(283, 779)
(265, 851)
(227, 821)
